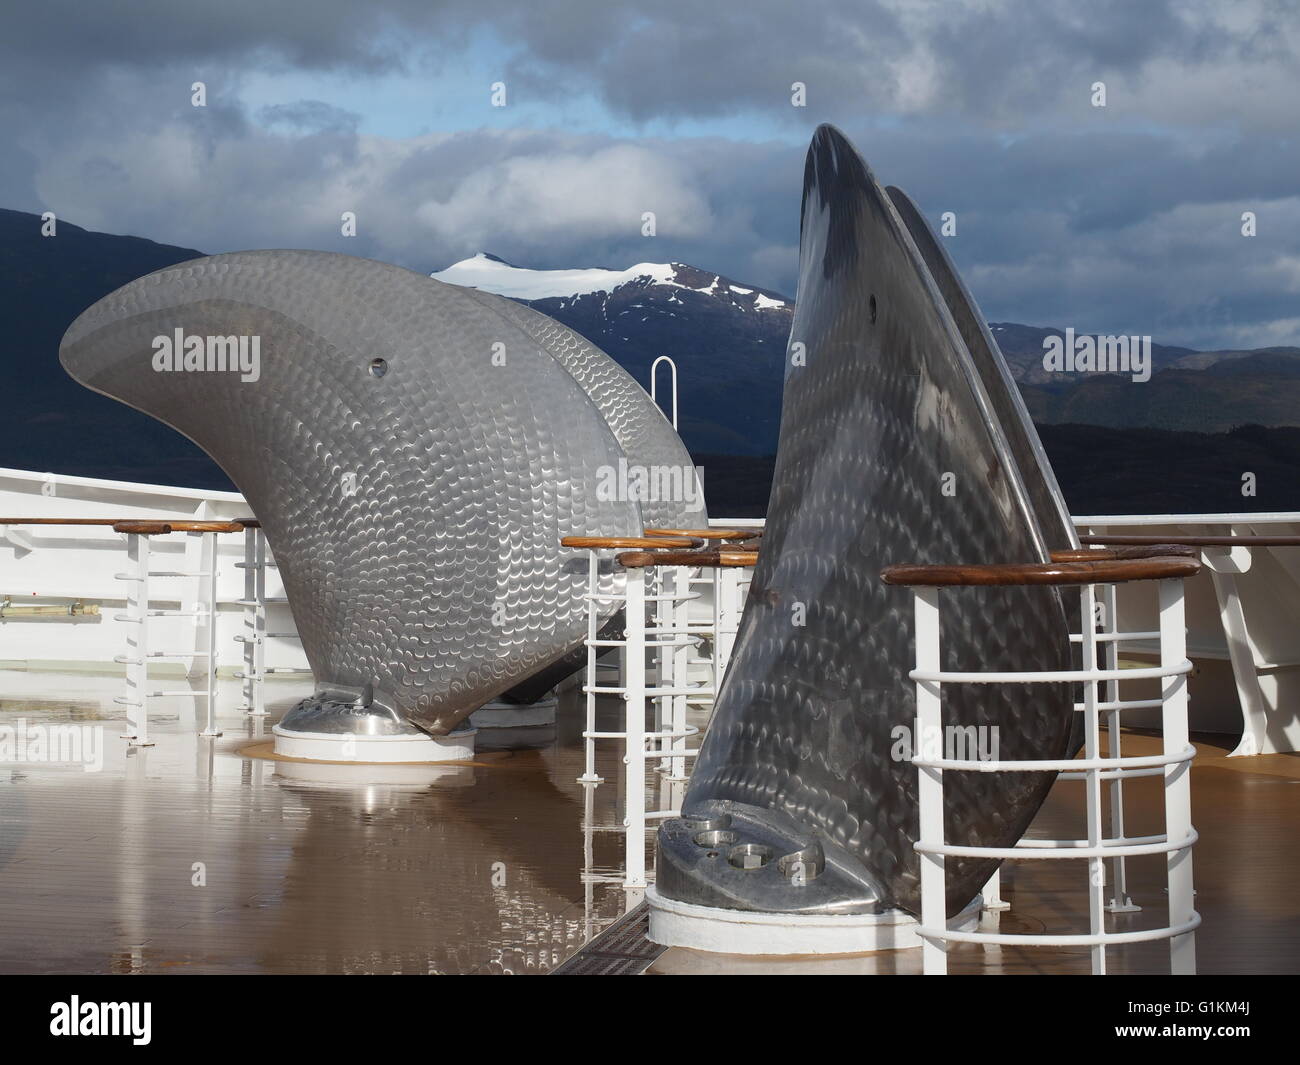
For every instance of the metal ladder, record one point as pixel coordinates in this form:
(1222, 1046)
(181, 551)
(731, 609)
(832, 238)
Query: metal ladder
(139, 653)
(667, 589)
(254, 602)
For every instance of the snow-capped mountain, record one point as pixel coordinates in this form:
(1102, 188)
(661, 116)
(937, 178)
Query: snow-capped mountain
(1118, 447)
(492, 274)
(727, 338)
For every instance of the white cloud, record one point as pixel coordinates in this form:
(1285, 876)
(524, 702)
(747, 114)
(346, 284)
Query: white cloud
(570, 198)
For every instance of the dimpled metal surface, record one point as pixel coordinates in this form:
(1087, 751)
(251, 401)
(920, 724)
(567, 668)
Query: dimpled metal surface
(885, 405)
(415, 516)
(1044, 494)
(645, 435)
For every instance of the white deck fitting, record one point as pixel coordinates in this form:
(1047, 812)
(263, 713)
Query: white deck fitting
(719, 931)
(59, 565)
(375, 750)
(1242, 624)
(498, 714)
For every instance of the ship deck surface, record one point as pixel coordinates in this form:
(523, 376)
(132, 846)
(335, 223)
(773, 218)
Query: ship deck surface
(206, 856)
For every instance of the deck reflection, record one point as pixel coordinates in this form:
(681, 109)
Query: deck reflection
(193, 856)
(1246, 866)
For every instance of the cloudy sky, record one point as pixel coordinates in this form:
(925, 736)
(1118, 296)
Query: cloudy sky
(1125, 218)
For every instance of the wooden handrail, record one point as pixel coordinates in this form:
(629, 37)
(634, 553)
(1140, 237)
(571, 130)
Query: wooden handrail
(144, 528)
(1102, 554)
(1109, 571)
(179, 524)
(168, 525)
(62, 521)
(724, 557)
(707, 534)
(1197, 541)
(627, 541)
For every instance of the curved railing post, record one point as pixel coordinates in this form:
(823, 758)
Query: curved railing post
(1178, 778)
(929, 723)
(1167, 566)
(654, 371)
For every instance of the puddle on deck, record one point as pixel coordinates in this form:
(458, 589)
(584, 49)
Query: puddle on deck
(493, 867)
(190, 856)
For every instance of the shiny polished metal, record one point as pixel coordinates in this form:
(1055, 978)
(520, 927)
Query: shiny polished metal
(414, 451)
(1007, 405)
(890, 449)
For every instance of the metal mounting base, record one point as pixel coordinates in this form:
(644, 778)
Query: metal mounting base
(327, 731)
(719, 931)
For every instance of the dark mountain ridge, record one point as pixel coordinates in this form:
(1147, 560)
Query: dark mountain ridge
(1116, 445)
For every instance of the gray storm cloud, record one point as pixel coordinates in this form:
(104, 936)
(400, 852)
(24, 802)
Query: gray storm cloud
(1119, 219)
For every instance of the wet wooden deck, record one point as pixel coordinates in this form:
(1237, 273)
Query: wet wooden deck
(192, 856)
(1247, 865)
(197, 856)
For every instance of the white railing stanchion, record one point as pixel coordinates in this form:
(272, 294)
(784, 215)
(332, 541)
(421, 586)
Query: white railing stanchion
(634, 743)
(992, 894)
(663, 659)
(210, 729)
(593, 611)
(929, 723)
(680, 679)
(728, 620)
(255, 634)
(716, 658)
(1178, 777)
(1120, 900)
(249, 638)
(1092, 783)
(136, 699)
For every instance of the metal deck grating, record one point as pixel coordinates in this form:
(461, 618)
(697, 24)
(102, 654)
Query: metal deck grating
(622, 949)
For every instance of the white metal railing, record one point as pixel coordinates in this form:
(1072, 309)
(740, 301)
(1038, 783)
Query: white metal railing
(1248, 618)
(654, 374)
(1109, 639)
(139, 652)
(667, 738)
(1174, 764)
(254, 671)
(656, 600)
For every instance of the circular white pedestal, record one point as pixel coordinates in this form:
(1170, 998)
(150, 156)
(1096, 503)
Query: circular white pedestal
(343, 747)
(412, 776)
(499, 714)
(719, 931)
